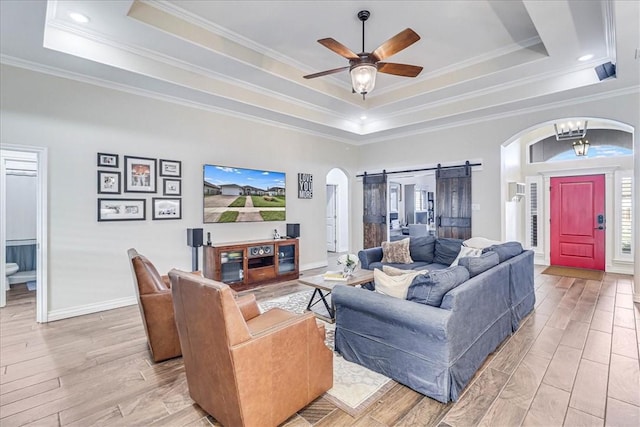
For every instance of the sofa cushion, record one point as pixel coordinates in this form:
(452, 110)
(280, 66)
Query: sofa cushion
(396, 252)
(447, 250)
(430, 288)
(479, 242)
(466, 252)
(506, 250)
(479, 264)
(394, 281)
(412, 266)
(422, 248)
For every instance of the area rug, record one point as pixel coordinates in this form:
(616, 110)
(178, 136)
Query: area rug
(578, 273)
(355, 388)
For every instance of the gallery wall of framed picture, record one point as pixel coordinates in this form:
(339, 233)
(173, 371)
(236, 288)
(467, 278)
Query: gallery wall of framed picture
(120, 191)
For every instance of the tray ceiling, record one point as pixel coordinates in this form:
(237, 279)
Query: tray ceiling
(481, 59)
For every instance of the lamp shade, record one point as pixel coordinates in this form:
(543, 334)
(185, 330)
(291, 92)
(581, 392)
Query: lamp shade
(363, 78)
(581, 147)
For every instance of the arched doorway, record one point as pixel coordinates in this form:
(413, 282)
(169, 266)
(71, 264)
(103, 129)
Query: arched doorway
(533, 159)
(337, 217)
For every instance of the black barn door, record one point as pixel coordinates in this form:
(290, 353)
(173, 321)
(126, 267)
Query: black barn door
(375, 210)
(453, 200)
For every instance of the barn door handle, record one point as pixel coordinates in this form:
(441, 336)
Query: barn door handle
(439, 221)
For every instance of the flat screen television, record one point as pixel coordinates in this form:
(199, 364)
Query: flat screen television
(243, 195)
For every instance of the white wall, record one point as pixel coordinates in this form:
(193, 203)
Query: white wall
(339, 179)
(88, 265)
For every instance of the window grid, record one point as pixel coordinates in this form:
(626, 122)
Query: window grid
(626, 209)
(533, 213)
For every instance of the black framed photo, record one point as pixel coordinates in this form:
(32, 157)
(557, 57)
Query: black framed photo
(171, 187)
(139, 175)
(108, 182)
(170, 168)
(108, 160)
(122, 209)
(166, 208)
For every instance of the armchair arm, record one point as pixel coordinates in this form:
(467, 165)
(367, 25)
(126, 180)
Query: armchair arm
(367, 256)
(248, 306)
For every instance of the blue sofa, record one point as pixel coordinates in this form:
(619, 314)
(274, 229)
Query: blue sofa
(436, 350)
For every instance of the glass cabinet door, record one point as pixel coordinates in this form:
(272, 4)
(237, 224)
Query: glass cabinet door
(286, 258)
(232, 266)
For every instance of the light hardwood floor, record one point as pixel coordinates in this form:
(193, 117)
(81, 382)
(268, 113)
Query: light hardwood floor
(573, 362)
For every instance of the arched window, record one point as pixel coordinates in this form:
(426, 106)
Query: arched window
(602, 143)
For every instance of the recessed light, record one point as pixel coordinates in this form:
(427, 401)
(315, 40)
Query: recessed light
(79, 17)
(585, 57)
(363, 117)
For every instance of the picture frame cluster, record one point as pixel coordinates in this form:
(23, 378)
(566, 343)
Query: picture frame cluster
(140, 175)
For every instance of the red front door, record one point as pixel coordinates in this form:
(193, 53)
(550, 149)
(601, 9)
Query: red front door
(577, 221)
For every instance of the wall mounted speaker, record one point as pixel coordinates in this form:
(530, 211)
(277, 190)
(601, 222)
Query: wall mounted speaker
(293, 230)
(606, 70)
(194, 237)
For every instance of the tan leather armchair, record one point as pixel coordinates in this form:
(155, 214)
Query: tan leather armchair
(242, 367)
(156, 307)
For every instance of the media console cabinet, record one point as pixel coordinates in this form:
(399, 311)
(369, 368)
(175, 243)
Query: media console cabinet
(245, 264)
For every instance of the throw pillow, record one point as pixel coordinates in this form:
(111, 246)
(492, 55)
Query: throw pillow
(506, 250)
(396, 252)
(394, 286)
(466, 252)
(431, 288)
(447, 250)
(480, 264)
(422, 248)
(479, 242)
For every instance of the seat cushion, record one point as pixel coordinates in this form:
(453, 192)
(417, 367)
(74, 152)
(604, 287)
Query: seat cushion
(412, 266)
(430, 288)
(394, 281)
(268, 320)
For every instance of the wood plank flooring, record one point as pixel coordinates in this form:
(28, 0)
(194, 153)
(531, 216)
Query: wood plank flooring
(574, 361)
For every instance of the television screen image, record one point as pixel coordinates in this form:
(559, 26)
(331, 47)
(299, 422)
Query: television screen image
(243, 195)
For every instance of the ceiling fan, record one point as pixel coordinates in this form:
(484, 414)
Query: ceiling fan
(363, 66)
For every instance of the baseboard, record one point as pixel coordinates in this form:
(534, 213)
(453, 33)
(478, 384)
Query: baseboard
(81, 310)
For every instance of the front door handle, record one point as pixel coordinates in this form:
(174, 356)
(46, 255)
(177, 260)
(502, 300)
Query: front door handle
(601, 227)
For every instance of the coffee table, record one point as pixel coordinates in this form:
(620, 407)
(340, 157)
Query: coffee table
(323, 288)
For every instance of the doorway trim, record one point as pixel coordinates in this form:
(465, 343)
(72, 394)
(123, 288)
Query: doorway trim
(608, 173)
(41, 227)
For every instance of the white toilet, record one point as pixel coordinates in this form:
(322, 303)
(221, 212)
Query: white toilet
(10, 268)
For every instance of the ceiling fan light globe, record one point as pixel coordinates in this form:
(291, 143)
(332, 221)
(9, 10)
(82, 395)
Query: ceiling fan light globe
(363, 78)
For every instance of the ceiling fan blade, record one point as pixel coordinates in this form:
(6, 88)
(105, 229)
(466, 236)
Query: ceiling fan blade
(324, 73)
(396, 43)
(399, 69)
(338, 48)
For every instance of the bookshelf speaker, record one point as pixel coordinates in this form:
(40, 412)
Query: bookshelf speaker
(293, 230)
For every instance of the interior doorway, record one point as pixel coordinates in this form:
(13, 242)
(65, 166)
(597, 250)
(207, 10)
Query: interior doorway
(578, 221)
(337, 216)
(23, 229)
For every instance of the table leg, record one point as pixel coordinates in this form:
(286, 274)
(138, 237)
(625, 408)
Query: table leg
(322, 297)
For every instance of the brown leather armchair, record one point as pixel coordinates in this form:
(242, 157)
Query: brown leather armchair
(243, 367)
(156, 307)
